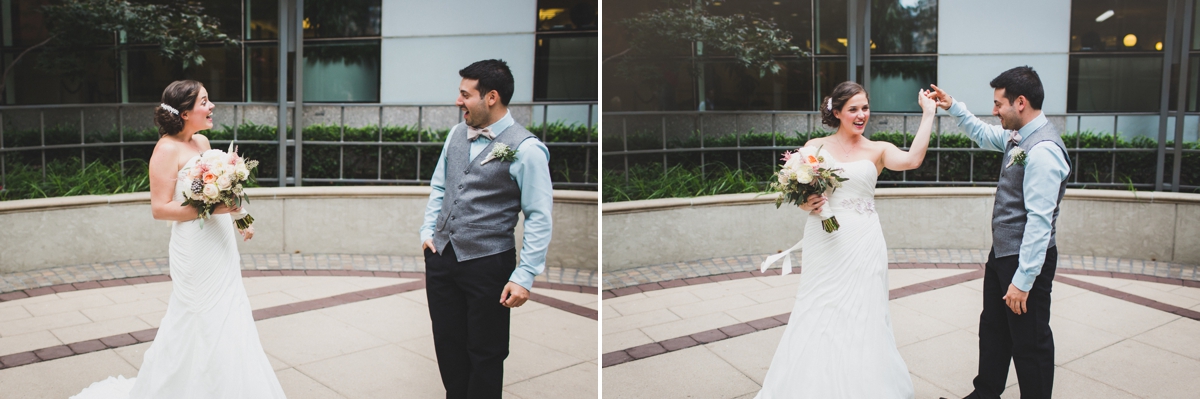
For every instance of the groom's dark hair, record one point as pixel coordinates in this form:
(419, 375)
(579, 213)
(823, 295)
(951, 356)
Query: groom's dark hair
(1021, 81)
(491, 75)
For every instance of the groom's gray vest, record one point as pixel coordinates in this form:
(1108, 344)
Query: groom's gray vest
(1009, 214)
(481, 203)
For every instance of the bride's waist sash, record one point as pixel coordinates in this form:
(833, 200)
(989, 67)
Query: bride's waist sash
(855, 205)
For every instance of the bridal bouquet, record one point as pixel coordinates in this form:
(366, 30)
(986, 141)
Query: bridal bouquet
(803, 175)
(217, 178)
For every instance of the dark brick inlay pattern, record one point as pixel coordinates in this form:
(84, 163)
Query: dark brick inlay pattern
(136, 337)
(622, 356)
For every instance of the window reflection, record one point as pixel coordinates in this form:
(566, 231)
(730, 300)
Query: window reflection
(559, 15)
(1131, 26)
(565, 68)
(896, 80)
(341, 18)
(1114, 83)
(794, 17)
(904, 27)
(149, 72)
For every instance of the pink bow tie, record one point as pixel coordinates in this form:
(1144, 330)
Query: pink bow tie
(473, 133)
(1015, 138)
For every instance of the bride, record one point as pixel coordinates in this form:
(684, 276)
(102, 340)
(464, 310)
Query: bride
(207, 345)
(838, 342)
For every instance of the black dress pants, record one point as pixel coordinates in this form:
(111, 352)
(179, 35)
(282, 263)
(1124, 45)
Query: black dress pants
(470, 326)
(1024, 339)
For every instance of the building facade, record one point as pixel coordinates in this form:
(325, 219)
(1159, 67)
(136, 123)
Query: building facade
(1104, 56)
(355, 51)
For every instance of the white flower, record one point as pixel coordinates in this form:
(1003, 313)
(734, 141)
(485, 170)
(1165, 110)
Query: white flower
(211, 192)
(804, 174)
(242, 172)
(224, 182)
(212, 155)
(237, 189)
(1017, 156)
(783, 176)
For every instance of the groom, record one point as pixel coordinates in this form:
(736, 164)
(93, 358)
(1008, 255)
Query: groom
(1015, 322)
(468, 237)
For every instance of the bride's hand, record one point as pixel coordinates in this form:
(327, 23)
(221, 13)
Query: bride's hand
(928, 103)
(222, 208)
(813, 204)
(247, 234)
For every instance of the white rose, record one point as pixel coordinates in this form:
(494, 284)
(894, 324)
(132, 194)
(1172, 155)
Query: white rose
(241, 172)
(223, 182)
(804, 174)
(211, 191)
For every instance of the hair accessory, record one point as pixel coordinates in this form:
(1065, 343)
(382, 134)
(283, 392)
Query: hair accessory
(828, 105)
(170, 109)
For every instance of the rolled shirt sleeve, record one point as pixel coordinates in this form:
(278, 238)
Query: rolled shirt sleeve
(1045, 169)
(531, 171)
(987, 136)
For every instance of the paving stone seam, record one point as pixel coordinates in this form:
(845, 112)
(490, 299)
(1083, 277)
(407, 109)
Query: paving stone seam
(722, 333)
(657, 348)
(147, 335)
(19, 281)
(706, 267)
(54, 289)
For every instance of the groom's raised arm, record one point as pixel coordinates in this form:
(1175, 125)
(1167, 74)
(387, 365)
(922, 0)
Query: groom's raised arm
(438, 183)
(987, 136)
(531, 170)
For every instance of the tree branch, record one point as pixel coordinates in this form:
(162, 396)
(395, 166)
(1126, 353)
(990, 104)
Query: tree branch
(4, 79)
(616, 55)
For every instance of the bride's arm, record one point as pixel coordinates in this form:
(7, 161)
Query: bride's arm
(898, 160)
(163, 164)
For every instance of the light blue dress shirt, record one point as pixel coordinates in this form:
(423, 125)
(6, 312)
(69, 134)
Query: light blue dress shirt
(531, 171)
(1045, 169)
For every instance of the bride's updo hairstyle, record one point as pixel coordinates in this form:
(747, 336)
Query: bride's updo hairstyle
(836, 100)
(177, 98)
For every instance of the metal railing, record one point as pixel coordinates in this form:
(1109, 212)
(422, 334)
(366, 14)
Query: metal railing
(239, 109)
(617, 131)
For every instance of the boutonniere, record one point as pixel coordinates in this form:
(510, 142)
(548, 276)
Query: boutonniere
(1016, 156)
(502, 152)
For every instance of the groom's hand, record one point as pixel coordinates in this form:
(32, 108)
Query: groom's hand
(514, 295)
(429, 244)
(944, 101)
(1015, 299)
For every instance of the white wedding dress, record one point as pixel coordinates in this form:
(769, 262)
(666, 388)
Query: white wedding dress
(838, 342)
(207, 345)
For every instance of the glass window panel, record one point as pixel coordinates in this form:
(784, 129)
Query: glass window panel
(34, 85)
(341, 18)
(262, 72)
(904, 26)
(794, 17)
(560, 15)
(28, 26)
(831, 26)
(654, 85)
(343, 72)
(730, 86)
(565, 68)
(896, 81)
(830, 73)
(228, 13)
(617, 36)
(1114, 83)
(149, 73)
(1131, 26)
(263, 19)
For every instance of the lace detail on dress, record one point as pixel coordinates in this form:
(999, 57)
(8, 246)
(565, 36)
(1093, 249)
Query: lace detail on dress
(862, 205)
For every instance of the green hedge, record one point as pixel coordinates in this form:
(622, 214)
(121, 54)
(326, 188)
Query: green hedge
(954, 166)
(567, 164)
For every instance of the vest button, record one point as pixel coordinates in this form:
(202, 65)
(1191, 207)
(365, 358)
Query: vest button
(460, 187)
(453, 217)
(466, 172)
(455, 202)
